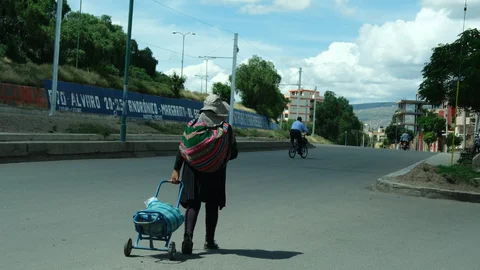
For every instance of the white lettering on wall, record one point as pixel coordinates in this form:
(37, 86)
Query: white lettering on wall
(173, 110)
(142, 107)
(61, 99)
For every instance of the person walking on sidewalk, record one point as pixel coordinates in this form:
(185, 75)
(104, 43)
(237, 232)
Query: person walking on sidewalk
(207, 187)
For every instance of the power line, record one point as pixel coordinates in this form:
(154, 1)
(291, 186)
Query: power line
(165, 49)
(219, 28)
(261, 51)
(191, 17)
(208, 54)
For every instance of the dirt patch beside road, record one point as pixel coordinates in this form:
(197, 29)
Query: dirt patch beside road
(456, 177)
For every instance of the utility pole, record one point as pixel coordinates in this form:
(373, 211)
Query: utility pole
(53, 99)
(201, 81)
(464, 128)
(299, 86)
(123, 125)
(446, 128)
(78, 34)
(206, 58)
(307, 107)
(232, 86)
(314, 110)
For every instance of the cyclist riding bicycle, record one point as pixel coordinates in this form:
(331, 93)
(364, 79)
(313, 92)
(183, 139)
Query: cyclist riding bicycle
(296, 133)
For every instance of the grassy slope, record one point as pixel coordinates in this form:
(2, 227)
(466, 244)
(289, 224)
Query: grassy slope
(33, 75)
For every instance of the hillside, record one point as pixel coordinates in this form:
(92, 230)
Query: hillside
(374, 105)
(375, 114)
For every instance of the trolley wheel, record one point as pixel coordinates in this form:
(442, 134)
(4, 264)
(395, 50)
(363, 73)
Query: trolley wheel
(292, 152)
(172, 251)
(304, 151)
(127, 248)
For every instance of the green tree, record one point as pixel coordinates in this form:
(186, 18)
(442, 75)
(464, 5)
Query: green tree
(27, 30)
(432, 122)
(440, 75)
(162, 78)
(457, 142)
(429, 138)
(335, 119)
(178, 84)
(223, 90)
(258, 83)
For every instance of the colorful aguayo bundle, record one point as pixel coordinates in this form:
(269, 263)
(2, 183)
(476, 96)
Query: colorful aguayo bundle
(205, 148)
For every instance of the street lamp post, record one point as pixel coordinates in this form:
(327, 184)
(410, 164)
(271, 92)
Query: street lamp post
(183, 46)
(78, 34)
(58, 25)
(201, 81)
(128, 51)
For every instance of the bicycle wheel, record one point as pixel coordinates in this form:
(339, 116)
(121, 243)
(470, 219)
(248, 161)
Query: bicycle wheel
(304, 151)
(292, 151)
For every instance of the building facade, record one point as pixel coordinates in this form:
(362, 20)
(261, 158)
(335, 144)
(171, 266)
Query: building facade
(305, 105)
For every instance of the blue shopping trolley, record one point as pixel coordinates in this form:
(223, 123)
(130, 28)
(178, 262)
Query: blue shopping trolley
(157, 223)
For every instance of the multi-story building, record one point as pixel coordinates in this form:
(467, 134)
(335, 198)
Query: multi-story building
(305, 105)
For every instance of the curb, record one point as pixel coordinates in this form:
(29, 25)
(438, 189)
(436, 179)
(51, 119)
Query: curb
(14, 152)
(388, 185)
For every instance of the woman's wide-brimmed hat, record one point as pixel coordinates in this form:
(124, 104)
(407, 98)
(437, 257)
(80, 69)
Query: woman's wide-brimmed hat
(215, 104)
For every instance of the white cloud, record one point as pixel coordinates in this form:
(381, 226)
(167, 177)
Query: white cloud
(385, 61)
(344, 7)
(257, 7)
(455, 7)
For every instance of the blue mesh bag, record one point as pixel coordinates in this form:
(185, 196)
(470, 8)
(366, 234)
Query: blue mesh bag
(159, 219)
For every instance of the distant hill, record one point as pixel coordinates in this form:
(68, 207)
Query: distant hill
(373, 105)
(375, 114)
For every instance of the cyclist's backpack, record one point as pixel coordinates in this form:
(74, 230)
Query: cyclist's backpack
(205, 148)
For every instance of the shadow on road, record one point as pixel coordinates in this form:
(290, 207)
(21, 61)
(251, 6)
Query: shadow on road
(250, 253)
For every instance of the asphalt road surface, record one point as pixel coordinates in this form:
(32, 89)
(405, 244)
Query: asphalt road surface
(282, 213)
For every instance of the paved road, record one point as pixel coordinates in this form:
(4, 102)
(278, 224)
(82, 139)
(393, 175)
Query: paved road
(281, 214)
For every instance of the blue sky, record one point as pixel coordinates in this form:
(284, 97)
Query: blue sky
(366, 52)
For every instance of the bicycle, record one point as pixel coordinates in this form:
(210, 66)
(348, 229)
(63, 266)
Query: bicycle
(292, 151)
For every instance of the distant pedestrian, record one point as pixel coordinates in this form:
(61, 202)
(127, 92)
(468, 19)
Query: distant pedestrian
(204, 168)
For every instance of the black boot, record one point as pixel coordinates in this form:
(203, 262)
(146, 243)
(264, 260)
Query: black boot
(187, 244)
(210, 243)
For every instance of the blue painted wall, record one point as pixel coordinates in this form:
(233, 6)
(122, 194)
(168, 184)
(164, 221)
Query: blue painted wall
(89, 99)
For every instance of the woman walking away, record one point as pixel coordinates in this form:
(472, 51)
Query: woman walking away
(207, 145)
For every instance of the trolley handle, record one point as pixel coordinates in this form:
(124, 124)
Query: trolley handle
(179, 193)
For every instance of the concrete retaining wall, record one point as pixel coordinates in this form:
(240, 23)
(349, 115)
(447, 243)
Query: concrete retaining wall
(11, 152)
(18, 95)
(26, 137)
